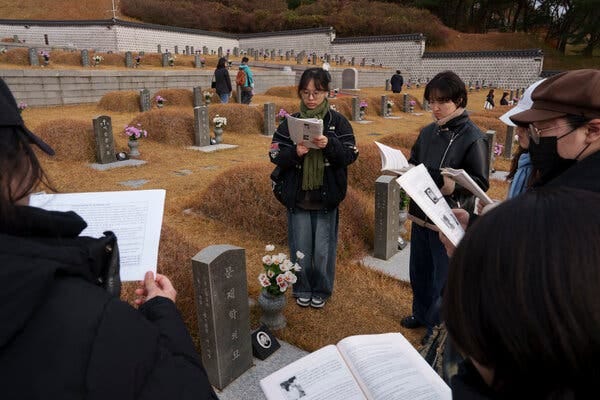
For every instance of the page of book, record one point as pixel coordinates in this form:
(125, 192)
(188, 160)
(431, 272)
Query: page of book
(461, 177)
(392, 160)
(321, 375)
(387, 366)
(421, 188)
(134, 216)
(303, 130)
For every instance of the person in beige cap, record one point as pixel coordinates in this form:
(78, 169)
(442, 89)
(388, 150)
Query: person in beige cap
(564, 130)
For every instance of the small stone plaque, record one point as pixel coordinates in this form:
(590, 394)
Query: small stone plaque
(263, 343)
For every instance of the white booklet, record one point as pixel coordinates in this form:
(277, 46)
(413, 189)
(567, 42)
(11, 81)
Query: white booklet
(392, 160)
(303, 130)
(421, 188)
(361, 367)
(135, 216)
(461, 177)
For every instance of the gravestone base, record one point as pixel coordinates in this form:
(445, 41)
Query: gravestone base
(392, 117)
(363, 122)
(212, 148)
(396, 266)
(117, 164)
(349, 91)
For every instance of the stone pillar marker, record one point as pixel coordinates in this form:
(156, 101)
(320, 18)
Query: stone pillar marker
(158, 49)
(187, 49)
(176, 49)
(387, 85)
(350, 78)
(85, 58)
(220, 52)
(33, 57)
(204, 50)
(165, 60)
(197, 62)
(192, 49)
(405, 103)
(355, 109)
(105, 144)
(223, 313)
(238, 94)
(512, 95)
(201, 126)
(491, 137)
(197, 95)
(384, 99)
(287, 56)
(269, 116)
(145, 104)
(128, 59)
(387, 210)
(508, 142)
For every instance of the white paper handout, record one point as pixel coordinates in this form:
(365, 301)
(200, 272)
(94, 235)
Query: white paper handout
(303, 130)
(461, 177)
(421, 188)
(392, 160)
(134, 216)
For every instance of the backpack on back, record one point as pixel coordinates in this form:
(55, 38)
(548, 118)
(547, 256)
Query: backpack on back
(240, 78)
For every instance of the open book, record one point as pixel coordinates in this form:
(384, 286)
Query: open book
(303, 130)
(392, 160)
(371, 367)
(461, 177)
(135, 216)
(421, 188)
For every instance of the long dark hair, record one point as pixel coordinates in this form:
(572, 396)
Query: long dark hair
(20, 170)
(221, 63)
(522, 293)
(318, 75)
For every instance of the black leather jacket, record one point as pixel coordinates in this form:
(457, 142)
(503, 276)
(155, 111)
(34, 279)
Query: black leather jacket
(457, 144)
(340, 152)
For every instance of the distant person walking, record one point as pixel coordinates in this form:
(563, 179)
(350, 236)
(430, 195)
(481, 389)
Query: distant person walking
(397, 81)
(222, 80)
(489, 100)
(245, 81)
(504, 99)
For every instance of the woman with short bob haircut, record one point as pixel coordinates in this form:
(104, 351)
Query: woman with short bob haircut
(314, 184)
(521, 301)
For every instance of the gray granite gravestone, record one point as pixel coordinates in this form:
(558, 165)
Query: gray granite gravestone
(508, 141)
(351, 61)
(197, 62)
(387, 210)
(491, 137)
(387, 85)
(128, 59)
(236, 51)
(349, 78)
(287, 56)
(405, 103)
(204, 50)
(105, 145)
(176, 49)
(220, 52)
(201, 127)
(384, 106)
(145, 100)
(197, 95)
(85, 58)
(16, 39)
(255, 55)
(33, 57)
(187, 50)
(272, 55)
(221, 289)
(314, 59)
(158, 49)
(192, 49)
(165, 60)
(269, 116)
(355, 109)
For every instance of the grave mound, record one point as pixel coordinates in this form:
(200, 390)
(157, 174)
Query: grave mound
(72, 140)
(121, 101)
(282, 91)
(19, 56)
(174, 126)
(240, 117)
(175, 97)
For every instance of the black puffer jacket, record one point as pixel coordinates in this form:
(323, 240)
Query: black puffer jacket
(223, 81)
(457, 144)
(340, 152)
(64, 337)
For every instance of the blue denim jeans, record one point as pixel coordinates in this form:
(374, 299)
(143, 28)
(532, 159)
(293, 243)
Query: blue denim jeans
(428, 273)
(224, 98)
(314, 233)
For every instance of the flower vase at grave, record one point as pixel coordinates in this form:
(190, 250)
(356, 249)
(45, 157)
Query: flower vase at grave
(207, 100)
(218, 135)
(362, 115)
(272, 310)
(133, 148)
(159, 105)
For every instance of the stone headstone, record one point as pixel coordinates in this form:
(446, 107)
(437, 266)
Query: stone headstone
(223, 313)
(272, 55)
(201, 126)
(176, 49)
(491, 137)
(269, 116)
(387, 85)
(85, 58)
(105, 145)
(197, 95)
(512, 95)
(236, 51)
(363, 62)
(145, 104)
(355, 109)
(165, 60)
(405, 103)
(220, 52)
(33, 57)
(255, 55)
(128, 59)
(192, 49)
(204, 50)
(314, 59)
(287, 56)
(187, 50)
(158, 49)
(351, 61)
(16, 39)
(349, 78)
(387, 209)
(384, 99)
(508, 142)
(197, 62)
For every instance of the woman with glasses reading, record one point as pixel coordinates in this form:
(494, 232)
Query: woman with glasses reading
(453, 141)
(314, 184)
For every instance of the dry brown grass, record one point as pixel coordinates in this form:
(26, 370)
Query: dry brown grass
(240, 117)
(18, 56)
(72, 140)
(175, 97)
(170, 126)
(121, 101)
(283, 91)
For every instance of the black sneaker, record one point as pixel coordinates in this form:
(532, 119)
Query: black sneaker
(411, 322)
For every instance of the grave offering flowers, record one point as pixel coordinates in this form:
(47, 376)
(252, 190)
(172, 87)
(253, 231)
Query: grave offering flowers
(160, 101)
(2, 50)
(219, 121)
(97, 59)
(363, 105)
(281, 115)
(46, 56)
(138, 60)
(498, 148)
(411, 105)
(279, 272)
(22, 106)
(389, 105)
(207, 96)
(171, 61)
(135, 132)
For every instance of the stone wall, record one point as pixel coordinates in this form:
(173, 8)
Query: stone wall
(40, 87)
(311, 40)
